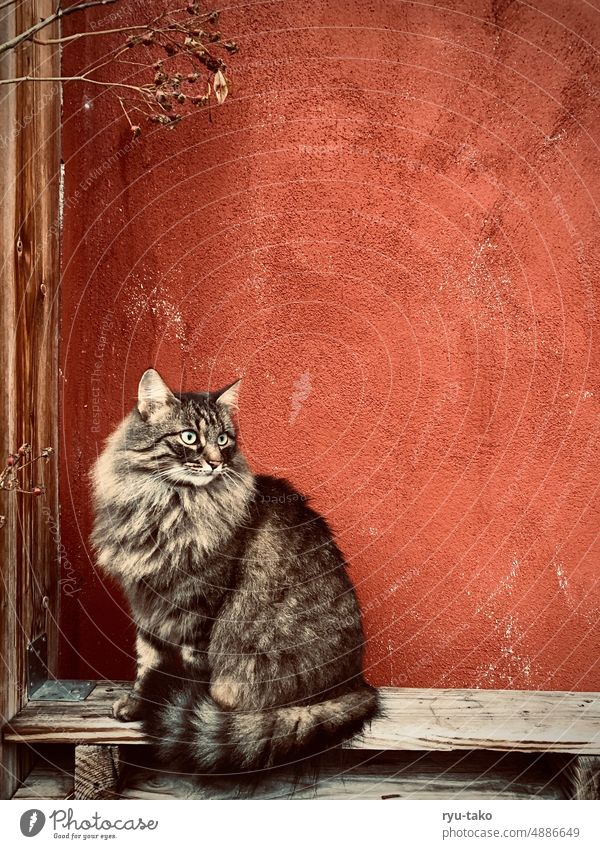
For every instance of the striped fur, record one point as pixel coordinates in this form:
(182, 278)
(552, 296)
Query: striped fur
(194, 734)
(250, 640)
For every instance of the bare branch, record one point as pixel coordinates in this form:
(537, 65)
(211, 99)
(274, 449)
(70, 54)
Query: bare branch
(60, 13)
(186, 39)
(67, 38)
(82, 79)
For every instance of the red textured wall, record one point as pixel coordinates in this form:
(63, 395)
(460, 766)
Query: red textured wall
(391, 230)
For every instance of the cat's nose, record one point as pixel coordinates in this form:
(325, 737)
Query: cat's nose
(214, 463)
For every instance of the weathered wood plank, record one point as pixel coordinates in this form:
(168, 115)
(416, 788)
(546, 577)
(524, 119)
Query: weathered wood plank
(29, 267)
(47, 781)
(357, 775)
(369, 775)
(501, 720)
(89, 721)
(418, 720)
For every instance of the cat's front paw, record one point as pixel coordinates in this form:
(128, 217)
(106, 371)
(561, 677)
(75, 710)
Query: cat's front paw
(127, 709)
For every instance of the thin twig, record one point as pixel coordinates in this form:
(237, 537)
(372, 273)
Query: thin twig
(15, 465)
(60, 13)
(153, 24)
(135, 129)
(161, 97)
(83, 79)
(66, 38)
(110, 57)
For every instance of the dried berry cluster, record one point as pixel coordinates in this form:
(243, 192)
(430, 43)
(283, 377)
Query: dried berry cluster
(182, 48)
(12, 478)
(177, 58)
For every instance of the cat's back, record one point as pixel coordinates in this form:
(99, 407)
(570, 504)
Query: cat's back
(293, 586)
(285, 523)
(277, 500)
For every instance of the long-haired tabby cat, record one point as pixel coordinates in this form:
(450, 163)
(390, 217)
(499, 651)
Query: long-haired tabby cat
(249, 636)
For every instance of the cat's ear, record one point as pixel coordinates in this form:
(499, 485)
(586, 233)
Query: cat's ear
(154, 396)
(228, 397)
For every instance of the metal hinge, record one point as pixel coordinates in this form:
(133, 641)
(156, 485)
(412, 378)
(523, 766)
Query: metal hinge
(41, 687)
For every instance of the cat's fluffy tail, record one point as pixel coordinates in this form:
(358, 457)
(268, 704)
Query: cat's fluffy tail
(190, 731)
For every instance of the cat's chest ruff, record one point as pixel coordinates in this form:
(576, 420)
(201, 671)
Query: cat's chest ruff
(168, 540)
(179, 604)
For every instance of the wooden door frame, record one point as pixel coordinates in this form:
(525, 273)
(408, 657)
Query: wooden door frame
(29, 277)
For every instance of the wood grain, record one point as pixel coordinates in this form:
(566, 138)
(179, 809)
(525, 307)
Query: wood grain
(418, 720)
(96, 772)
(29, 188)
(355, 775)
(46, 782)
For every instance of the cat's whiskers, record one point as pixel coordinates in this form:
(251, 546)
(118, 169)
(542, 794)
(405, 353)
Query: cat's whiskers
(227, 480)
(161, 473)
(234, 473)
(232, 486)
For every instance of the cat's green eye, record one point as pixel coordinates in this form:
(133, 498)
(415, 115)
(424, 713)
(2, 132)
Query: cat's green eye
(188, 437)
(222, 440)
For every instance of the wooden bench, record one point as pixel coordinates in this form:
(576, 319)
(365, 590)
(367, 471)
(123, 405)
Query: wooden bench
(557, 723)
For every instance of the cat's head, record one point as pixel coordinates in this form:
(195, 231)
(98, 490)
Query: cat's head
(184, 438)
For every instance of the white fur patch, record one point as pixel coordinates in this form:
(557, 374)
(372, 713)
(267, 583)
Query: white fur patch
(225, 693)
(147, 657)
